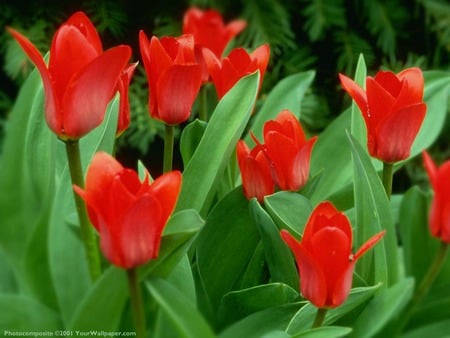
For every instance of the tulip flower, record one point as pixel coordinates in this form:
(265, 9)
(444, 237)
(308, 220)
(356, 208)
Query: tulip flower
(124, 105)
(173, 74)
(129, 215)
(225, 73)
(324, 256)
(255, 171)
(393, 109)
(288, 150)
(80, 78)
(440, 207)
(210, 32)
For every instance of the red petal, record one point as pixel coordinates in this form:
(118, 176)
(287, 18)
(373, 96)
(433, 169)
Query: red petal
(356, 92)
(413, 77)
(124, 105)
(440, 206)
(141, 232)
(234, 28)
(431, 168)
(300, 168)
(84, 25)
(52, 104)
(312, 279)
(214, 66)
(177, 90)
(185, 49)
(389, 81)
(261, 55)
(240, 60)
(380, 103)
(342, 286)
(368, 245)
(85, 102)
(166, 189)
(397, 132)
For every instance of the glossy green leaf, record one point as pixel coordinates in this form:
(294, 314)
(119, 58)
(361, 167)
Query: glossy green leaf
(185, 318)
(373, 215)
(358, 126)
(20, 313)
(228, 240)
(190, 138)
(213, 152)
(325, 332)
(287, 94)
(256, 272)
(289, 210)
(437, 329)
(382, 308)
(238, 304)
(280, 261)
(262, 323)
(304, 318)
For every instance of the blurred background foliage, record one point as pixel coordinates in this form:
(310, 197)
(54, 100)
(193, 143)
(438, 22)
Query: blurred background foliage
(324, 35)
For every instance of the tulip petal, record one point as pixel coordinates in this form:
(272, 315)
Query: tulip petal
(389, 81)
(431, 169)
(356, 92)
(342, 286)
(396, 133)
(300, 168)
(52, 104)
(141, 231)
(312, 279)
(124, 104)
(380, 103)
(91, 90)
(84, 25)
(368, 245)
(166, 189)
(413, 92)
(261, 55)
(177, 90)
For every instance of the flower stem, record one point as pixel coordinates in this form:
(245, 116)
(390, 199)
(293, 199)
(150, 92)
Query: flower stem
(168, 148)
(320, 316)
(425, 285)
(388, 172)
(87, 232)
(136, 303)
(203, 107)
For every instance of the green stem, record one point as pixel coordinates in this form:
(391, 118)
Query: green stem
(87, 232)
(203, 109)
(388, 172)
(320, 316)
(168, 148)
(426, 283)
(137, 304)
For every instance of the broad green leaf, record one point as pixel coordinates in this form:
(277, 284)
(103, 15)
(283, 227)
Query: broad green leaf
(419, 247)
(187, 220)
(262, 323)
(256, 272)
(304, 318)
(225, 245)
(20, 313)
(325, 332)
(358, 126)
(437, 329)
(287, 94)
(382, 308)
(8, 283)
(373, 215)
(238, 304)
(289, 210)
(279, 258)
(206, 167)
(190, 138)
(185, 318)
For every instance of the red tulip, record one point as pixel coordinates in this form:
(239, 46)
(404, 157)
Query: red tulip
(440, 206)
(288, 150)
(124, 105)
(129, 215)
(173, 75)
(393, 110)
(255, 171)
(324, 256)
(225, 73)
(80, 79)
(210, 32)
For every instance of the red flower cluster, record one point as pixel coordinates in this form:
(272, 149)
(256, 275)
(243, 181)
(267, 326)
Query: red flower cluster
(129, 215)
(283, 159)
(80, 79)
(393, 109)
(324, 256)
(440, 206)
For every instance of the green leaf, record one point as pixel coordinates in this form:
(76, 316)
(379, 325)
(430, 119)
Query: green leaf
(236, 305)
(304, 318)
(187, 220)
(225, 245)
(217, 145)
(256, 271)
(289, 210)
(373, 215)
(20, 313)
(358, 126)
(190, 138)
(262, 323)
(382, 308)
(286, 94)
(325, 332)
(185, 318)
(437, 329)
(280, 260)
